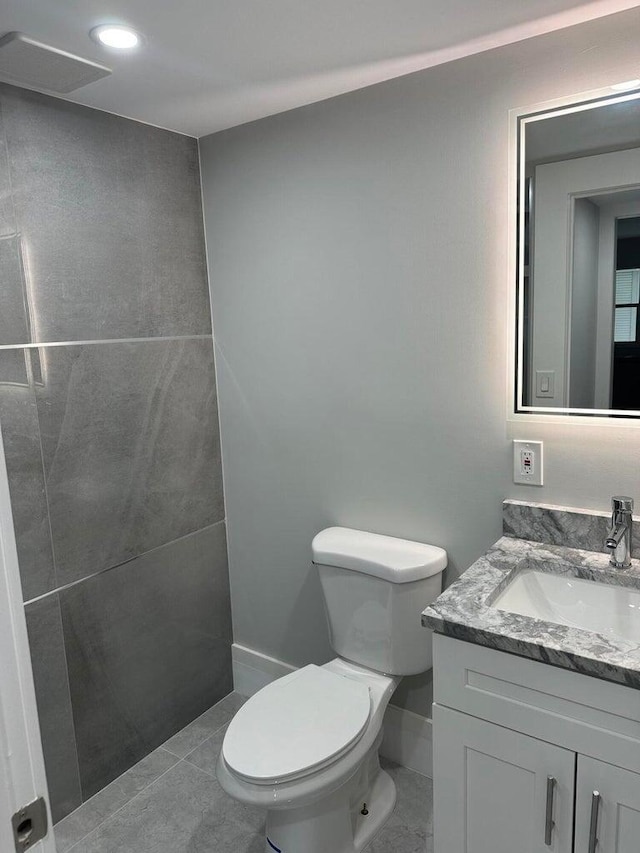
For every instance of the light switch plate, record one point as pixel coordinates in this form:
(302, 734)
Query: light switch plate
(528, 463)
(545, 383)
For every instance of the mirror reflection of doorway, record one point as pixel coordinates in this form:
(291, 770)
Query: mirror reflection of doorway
(626, 346)
(581, 165)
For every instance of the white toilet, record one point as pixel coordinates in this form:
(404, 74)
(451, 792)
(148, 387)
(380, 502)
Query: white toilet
(306, 746)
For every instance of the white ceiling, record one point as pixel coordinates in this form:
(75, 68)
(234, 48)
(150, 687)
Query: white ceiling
(211, 64)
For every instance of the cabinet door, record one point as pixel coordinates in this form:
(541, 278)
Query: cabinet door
(495, 790)
(607, 808)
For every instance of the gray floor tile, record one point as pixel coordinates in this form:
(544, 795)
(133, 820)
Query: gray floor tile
(399, 839)
(201, 729)
(105, 803)
(205, 756)
(185, 811)
(410, 827)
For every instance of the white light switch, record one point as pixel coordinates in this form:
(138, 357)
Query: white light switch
(527, 462)
(545, 382)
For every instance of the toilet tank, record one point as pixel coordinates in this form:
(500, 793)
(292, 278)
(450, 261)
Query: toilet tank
(375, 589)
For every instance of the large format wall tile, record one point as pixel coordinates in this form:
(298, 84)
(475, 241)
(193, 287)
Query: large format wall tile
(110, 215)
(112, 447)
(54, 704)
(7, 218)
(14, 328)
(21, 436)
(148, 650)
(131, 449)
(13, 317)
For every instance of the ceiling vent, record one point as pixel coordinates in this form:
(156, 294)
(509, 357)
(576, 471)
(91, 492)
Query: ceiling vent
(32, 63)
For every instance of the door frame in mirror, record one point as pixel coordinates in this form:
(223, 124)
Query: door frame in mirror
(518, 120)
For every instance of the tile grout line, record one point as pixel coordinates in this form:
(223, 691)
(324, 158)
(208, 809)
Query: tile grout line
(67, 586)
(97, 341)
(199, 769)
(124, 805)
(208, 737)
(146, 788)
(202, 743)
(177, 761)
(198, 745)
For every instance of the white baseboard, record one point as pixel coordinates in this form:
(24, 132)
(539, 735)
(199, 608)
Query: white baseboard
(408, 740)
(407, 736)
(252, 670)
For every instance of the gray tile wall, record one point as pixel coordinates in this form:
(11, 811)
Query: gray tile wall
(110, 427)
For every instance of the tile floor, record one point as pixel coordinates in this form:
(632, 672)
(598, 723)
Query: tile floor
(171, 802)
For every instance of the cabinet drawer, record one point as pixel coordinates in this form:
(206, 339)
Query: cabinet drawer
(589, 715)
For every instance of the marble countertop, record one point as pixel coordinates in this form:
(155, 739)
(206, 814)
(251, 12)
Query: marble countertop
(464, 611)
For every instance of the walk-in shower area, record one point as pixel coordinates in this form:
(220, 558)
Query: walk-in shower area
(110, 426)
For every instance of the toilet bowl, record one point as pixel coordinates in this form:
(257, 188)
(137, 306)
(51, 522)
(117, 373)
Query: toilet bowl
(305, 747)
(308, 737)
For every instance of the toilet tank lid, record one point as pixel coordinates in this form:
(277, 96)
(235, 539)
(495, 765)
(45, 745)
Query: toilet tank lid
(385, 557)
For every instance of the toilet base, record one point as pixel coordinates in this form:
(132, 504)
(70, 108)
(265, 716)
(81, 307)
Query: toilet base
(335, 824)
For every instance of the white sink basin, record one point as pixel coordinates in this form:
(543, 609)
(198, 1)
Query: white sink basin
(586, 604)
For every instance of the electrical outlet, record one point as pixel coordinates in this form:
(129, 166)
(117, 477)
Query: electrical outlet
(527, 463)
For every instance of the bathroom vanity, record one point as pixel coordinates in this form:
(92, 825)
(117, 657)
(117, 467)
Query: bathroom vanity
(537, 694)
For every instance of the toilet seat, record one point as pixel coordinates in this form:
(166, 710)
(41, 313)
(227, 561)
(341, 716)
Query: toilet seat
(296, 726)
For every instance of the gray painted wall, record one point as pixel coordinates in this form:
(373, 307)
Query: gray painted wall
(358, 266)
(584, 304)
(112, 445)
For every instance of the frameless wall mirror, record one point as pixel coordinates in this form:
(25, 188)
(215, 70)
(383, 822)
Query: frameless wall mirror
(578, 289)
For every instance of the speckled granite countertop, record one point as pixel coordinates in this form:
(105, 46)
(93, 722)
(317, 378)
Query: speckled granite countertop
(464, 610)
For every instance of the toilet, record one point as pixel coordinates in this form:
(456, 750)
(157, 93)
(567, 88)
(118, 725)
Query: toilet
(305, 747)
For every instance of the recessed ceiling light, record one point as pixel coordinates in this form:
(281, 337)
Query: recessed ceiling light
(627, 84)
(115, 35)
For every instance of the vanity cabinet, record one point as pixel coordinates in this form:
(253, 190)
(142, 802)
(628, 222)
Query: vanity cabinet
(499, 791)
(610, 796)
(531, 758)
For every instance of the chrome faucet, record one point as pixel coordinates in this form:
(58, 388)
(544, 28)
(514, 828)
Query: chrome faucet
(618, 540)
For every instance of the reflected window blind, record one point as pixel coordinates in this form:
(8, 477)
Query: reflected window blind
(627, 299)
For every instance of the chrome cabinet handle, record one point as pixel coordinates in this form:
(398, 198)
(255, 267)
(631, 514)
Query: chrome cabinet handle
(549, 822)
(593, 826)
